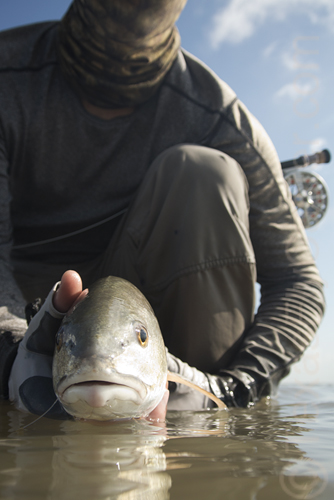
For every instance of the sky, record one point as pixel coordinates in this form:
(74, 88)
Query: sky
(277, 55)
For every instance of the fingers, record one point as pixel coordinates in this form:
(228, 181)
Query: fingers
(159, 413)
(68, 292)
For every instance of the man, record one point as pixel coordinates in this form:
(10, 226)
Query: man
(122, 154)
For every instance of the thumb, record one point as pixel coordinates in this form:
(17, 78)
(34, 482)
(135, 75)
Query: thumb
(69, 290)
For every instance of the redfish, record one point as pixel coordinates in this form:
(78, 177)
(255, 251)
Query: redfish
(110, 359)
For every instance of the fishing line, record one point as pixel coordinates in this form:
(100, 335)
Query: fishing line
(68, 235)
(38, 418)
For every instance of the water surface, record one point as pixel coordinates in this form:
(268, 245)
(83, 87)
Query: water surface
(280, 449)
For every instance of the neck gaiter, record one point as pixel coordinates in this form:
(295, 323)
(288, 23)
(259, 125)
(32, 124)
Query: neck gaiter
(116, 53)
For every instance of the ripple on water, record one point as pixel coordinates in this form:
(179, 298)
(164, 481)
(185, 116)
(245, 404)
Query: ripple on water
(279, 449)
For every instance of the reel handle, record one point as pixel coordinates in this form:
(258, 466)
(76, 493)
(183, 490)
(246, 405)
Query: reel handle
(323, 156)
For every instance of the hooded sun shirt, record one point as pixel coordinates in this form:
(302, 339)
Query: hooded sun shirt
(116, 53)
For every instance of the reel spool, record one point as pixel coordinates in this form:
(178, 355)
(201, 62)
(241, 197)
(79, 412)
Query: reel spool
(310, 195)
(308, 189)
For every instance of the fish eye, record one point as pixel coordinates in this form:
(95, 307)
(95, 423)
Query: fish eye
(59, 339)
(142, 335)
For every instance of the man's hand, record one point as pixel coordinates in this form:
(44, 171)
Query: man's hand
(30, 381)
(159, 413)
(69, 291)
(231, 391)
(183, 397)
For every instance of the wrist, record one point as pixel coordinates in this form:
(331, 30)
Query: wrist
(233, 391)
(9, 344)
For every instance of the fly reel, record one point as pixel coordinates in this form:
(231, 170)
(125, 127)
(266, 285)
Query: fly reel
(308, 189)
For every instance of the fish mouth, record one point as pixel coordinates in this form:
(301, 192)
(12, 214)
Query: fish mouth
(103, 390)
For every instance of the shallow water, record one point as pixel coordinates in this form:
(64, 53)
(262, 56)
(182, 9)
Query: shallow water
(280, 449)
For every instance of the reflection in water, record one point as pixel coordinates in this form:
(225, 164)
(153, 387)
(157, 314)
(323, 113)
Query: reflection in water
(121, 461)
(259, 458)
(273, 451)
(115, 467)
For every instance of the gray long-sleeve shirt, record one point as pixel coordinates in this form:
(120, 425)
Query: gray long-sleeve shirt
(62, 169)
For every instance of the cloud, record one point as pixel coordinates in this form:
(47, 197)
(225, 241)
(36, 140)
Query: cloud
(294, 91)
(240, 19)
(270, 49)
(289, 61)
(302, 57)
(318, 144)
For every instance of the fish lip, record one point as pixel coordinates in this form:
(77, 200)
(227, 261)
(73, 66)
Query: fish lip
(109, 377)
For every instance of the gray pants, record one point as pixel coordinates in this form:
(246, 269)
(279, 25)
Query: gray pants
(185, 243)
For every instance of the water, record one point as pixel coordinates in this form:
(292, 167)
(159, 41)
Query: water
(281, 449)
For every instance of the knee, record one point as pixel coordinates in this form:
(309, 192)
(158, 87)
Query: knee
(202, 169)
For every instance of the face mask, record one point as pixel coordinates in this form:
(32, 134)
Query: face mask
(115, 53)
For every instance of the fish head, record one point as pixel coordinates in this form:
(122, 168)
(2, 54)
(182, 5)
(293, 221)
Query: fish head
(110, 358)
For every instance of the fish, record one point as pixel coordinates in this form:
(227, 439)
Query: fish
(110, 359)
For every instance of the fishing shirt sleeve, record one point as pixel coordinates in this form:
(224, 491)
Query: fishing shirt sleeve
(12, 324)
(11, 299)
(292, 300)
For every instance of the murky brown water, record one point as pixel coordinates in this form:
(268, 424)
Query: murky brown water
(281, 449)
